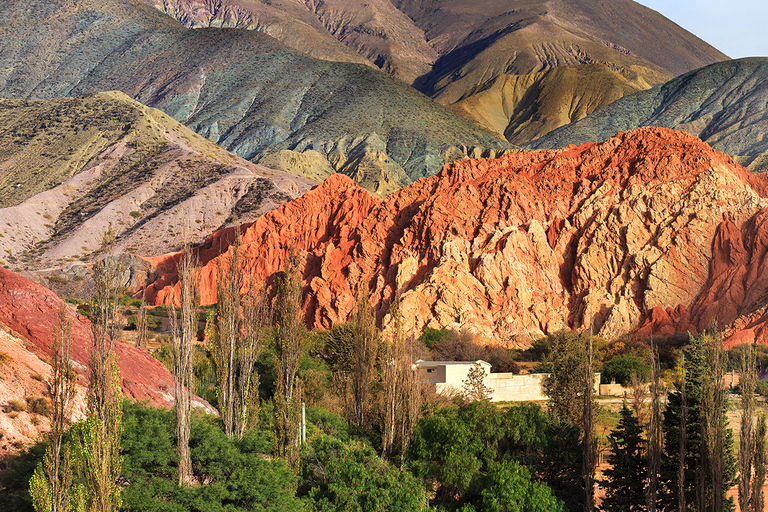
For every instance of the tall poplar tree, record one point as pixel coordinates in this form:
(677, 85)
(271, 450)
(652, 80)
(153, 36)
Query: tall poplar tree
(746, 433)
(51, 482)
(184, 335)
(366, 339)
(97, 443)
(291, 341)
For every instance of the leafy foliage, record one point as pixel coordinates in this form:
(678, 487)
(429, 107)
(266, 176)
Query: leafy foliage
(465, 452)
(234, 476)
(352, 478)
(621, 368)
(565, 386)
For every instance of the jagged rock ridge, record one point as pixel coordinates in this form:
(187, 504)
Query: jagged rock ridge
(607, 234)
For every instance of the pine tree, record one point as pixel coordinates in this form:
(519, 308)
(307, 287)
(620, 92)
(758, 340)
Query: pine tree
(474, 387)
(698, 464)
(625, 482)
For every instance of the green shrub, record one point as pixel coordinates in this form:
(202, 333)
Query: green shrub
(235, 476)
(621, 368)
(352, 477)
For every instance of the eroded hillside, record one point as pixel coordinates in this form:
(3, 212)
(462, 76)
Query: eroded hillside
(607, 234)
(71, 168)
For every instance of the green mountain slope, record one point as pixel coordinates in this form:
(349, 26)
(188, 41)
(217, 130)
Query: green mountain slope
(723, 104)
(71, 168)
(242, 89)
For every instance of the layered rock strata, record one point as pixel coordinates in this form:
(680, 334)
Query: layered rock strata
(650, 229)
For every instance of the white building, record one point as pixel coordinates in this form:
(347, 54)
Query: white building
(448, 377)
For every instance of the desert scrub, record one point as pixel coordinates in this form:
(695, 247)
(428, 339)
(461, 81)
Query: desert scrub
(40, 406)
(15, 406)
(5, 359)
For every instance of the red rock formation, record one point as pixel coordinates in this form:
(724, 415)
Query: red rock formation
(634, 232)
(31, 311)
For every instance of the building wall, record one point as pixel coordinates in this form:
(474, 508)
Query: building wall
(508, 387)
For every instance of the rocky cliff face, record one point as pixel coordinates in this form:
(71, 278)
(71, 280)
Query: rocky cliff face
(28, 314)
(651, 229)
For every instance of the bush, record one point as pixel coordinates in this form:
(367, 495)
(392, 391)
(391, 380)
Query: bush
(621, 368)
(465, 454)
(432, 337)
(352, 477)
(235, 477)
(40, 406)
(16, 405)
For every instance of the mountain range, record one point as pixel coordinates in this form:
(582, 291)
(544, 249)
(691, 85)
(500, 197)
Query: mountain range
(512, 168)
(241, 89)
(450, 49)
(455, 50)
(723, 104)
(650, 229)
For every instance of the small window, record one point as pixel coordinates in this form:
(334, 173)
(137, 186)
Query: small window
(430, 370)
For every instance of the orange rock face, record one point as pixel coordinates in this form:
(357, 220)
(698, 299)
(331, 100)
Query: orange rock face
(649, 230)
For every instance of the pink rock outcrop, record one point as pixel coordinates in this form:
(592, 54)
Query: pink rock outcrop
(31, 311)
(651, 230)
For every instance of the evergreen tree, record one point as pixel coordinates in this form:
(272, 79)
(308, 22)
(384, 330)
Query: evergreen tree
(474, 386)
(698, 464)
(625, 485)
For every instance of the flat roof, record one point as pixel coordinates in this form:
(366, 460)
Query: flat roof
(421, 362)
